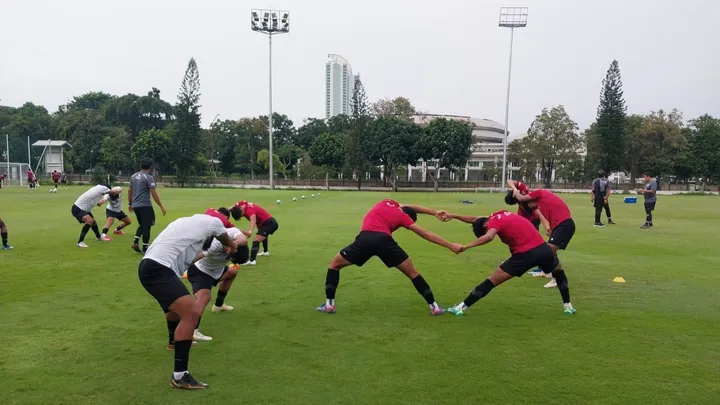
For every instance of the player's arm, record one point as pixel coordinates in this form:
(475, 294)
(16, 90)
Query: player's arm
(468, 219)
(227, 241)
(487, 238)
(253, 223)
(156, 197)
(129, 194)
(199, 257)
(429, 236)
(439, 214)
(511, 184)
(102, 200)
(520, 196)
(545, 223)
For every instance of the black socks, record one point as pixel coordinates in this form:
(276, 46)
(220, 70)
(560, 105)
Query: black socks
(423, 288)
(84, 232)
(332, 279)
(265, 245)
(104, 231)
(171, 325)
(480, 291)
(4, 238)
(254, 250)
(96, 230)
(220, 299)
(562, 284)
(182, 355)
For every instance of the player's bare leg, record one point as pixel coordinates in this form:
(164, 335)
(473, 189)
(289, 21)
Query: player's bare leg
(124, 223)
(408, 268)
(332, 279)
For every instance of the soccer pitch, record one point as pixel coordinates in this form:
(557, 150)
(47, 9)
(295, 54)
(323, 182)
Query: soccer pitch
(78, 328)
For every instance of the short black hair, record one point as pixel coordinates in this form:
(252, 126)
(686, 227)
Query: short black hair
(224, 211)
(510, 198)
(601, 173)
(236, 212)
(478, 226)
(647, 174)
(146, 163)
(411, 213)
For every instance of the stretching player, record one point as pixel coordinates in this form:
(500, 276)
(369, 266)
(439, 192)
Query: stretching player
(160, 273)
(4, 234)
(528, 250)
(260, 218)
(375, 239)
(142, 186)
(114, 210)
(81, 210)
(559, 224)
(210, 268)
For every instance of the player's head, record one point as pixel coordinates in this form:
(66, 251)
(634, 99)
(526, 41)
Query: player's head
(146, 164)
(510, 198)
(601, 173)
(479, 227)
(410, 212)
(238, 210)
(647, 176)
(224, 211)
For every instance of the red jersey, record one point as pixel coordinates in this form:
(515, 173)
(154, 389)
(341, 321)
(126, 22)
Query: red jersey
(56, 176)
(530, 215)
(214, 213)
(30, 175)
(522, 188)
(552, 207)
(516, 232)
(386, 217)
(251, 209)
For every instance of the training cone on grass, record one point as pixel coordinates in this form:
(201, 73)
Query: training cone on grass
(618, 280)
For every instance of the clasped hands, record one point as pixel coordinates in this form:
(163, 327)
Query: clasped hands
(444, 216)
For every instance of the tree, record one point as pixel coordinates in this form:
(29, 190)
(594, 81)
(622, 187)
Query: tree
(446, 143)
(339, 124)
(251, 137)
(328, 150)
(283, 129)
(356, 160)
(633, 146)
(306, 134)
(390, 141)
(554, 141)
(138, 113)
(94, 100)
(263, 159)
(115, 151)
(520, 153)
(186, 145)
(154, 144)
(360, 106)
(397, 107)
(705, 147)
(608, 143)
(661, 142)
(289, 156)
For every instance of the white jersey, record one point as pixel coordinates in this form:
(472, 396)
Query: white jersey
(179, 243)
(114, 205)
(215, 258)
(90, 198)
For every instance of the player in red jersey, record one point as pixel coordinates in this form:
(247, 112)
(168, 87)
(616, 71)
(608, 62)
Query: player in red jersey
(528, 250)
(523, 209)
(375, 239)
(560, 226)
(55, 178)
(260, 218)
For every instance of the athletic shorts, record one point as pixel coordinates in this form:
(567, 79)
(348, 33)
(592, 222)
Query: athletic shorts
(650, 206)
(145, 215)
(368, 244)
(541, 256)
(161, 282)
(79, 213)
(562, 234)
(113, 214)
(200, 280)
(268, 227)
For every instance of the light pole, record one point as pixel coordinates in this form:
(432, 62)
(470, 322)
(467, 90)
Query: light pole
(510, 17)
(270, 22)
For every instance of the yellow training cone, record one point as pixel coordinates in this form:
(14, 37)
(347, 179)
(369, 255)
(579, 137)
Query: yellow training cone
(618, 280)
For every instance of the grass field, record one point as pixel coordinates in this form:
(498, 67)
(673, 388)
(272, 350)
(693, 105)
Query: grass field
(78, 328)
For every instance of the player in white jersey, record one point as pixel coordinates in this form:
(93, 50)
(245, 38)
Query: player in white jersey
(114, 210)
(210, 269)
(160, 273)
(81, 210)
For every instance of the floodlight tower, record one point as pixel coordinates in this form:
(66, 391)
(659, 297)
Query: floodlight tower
(510, 17)
(270, 22)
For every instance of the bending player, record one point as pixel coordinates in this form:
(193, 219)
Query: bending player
(559, 224)
(528, 250)
(112, 211)
(83, 206)
(209, 268)
(375, 239)
(260, 218)
(160, 273)
(4, 234)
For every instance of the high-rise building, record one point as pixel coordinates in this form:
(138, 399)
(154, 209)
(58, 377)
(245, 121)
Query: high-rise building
(339, 84)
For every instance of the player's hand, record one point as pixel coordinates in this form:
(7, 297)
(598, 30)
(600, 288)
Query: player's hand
(457, 248)
(247, 233)
(164, 211)
(443, 215)
(548, 232)
(130, 208)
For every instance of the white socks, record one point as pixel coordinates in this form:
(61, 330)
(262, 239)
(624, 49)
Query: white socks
(330, 303)
(179, 375)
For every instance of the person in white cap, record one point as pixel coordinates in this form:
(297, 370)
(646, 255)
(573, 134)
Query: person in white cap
(82, 207)
(114, 210)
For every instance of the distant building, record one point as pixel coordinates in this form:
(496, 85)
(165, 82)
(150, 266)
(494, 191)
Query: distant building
(339, 85)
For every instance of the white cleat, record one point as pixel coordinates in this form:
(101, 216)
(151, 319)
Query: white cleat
(264, 254)
(82, 245)
(252, 263)
(224, 307)
(198, 336)
(551, 284)
(104, 238)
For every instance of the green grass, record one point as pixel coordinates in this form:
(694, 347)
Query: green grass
(78, 328)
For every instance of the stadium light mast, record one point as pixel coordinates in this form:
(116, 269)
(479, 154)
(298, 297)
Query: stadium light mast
(510, 17)
(270, 22)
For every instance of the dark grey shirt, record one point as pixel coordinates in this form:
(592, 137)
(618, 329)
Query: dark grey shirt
(601, 187)
(651, 185)
(141, 184)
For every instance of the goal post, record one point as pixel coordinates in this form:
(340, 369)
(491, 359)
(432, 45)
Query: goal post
(15, 174)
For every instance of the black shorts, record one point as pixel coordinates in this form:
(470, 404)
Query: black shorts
(112, 214)
(268, 227)
(541, 256)
(368, 244)
(562, 234)
(145, 215)
(650, 206)
(161, 282)
(79, 213)
(200, 280)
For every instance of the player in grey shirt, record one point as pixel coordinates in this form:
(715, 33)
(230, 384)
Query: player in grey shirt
(600, 195)
(114, 210)
(142, 186)
(650, 194)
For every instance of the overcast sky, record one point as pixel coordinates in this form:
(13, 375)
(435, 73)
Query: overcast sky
(445, 60)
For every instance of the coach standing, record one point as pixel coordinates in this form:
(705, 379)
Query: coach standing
(650, 194)
(142, 185)
(599, 196)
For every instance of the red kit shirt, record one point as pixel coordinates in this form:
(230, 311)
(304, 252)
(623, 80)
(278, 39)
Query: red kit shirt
(386, 217)
(214, 213)
(56, 176)
(516, 232)
(552, 207)
(530, 215)
(522, 187)
(260, 214)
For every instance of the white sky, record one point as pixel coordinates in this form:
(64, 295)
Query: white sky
(445, 60)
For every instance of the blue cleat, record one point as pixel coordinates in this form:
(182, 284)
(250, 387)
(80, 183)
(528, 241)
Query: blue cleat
(328, 309)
